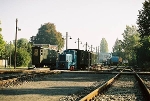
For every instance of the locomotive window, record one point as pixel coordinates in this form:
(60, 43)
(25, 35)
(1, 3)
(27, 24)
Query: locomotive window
(41, 52)
(36, 52)
(69, 58)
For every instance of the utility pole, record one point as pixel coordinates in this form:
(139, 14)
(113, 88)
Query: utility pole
(78, 43)
(15, 44)
(96, 51)
(86, 46)
(91, 48)
(5, 53)
(66, 40)
(10, 55)
(98, 54)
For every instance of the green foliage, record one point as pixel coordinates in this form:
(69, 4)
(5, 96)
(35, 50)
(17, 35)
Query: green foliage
(117, 48)
(0, 28)
(127, 48)
(103, 46)
(29, 48)
(8, 51)
(2, 45)
(143, 20)
(22, 43)
(23, 54)
(59, 41)
(47, 34)
(23, 58)
(143, 52)
(130, 44)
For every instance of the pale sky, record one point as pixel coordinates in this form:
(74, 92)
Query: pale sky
(88, 20)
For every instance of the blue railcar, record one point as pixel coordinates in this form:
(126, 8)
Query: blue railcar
(114, 60)
(73, 58)
(67, 59)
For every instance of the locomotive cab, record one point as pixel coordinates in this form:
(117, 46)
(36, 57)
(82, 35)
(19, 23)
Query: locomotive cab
(66, 60)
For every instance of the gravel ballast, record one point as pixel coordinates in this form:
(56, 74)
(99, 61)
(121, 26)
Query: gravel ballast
(51, 87)
(125, 88)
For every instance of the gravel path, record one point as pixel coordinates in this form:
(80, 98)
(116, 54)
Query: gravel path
(51, 87)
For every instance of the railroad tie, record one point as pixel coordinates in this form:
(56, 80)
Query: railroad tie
(18, 80)
(14, 81)
(4, 83)
(1, 83)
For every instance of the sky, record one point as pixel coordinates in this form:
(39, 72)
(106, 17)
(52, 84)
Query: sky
(88, 20)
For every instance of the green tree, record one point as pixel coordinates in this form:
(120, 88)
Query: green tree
(25, 44)
(23, 58)
(143, 53)
(130, 44)
(23, 54)
(103, 46)
(10, 49)
(47, 34)
(22, 43)
(117, 48)
(2, 45)
(0, 28)
(143, 20)
(143, 23)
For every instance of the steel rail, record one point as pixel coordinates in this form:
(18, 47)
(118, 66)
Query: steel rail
(144, 87)
(94, 93)
(15, 79)
(90, 96)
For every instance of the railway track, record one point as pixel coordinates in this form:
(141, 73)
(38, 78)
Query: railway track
(18, 76)
(75, 85)
(11, 78)
(146, 79)
(66, 85)
(15, 77)
(124, 86)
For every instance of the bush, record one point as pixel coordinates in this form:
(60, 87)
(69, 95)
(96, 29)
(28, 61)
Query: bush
(22, 58)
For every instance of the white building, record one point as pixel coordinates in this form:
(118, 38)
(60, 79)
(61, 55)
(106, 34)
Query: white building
(3, 62)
